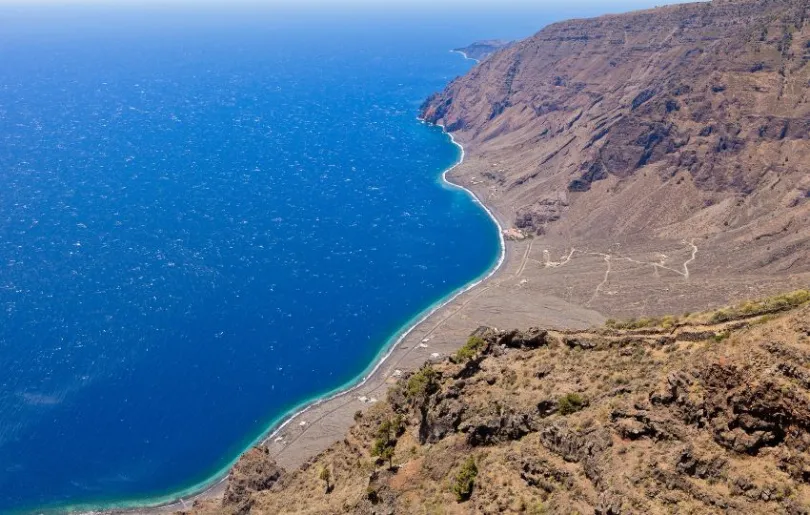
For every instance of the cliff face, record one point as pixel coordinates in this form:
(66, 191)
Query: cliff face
(704, 414)
(679, 122)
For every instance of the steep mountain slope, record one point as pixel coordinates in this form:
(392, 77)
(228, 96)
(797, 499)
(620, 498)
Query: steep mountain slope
(704, 414)
(687, 122)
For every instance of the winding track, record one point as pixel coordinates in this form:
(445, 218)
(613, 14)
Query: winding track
(660, 265)
(522, 266)
(604, 281)
(690, 260)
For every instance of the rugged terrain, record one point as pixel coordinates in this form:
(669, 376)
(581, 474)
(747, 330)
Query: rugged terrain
(706, 413)
(633, 137)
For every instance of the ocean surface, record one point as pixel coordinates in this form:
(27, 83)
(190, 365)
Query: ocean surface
(206, 220)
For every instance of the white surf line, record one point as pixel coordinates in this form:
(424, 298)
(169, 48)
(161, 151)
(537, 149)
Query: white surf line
(465, 55)
(395, 345)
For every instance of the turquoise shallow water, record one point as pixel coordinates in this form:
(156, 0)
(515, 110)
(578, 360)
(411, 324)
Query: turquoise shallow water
(207, 219)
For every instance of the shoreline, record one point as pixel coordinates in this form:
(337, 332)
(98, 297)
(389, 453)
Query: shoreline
(465, 56)
(211, 486)
(409, 326)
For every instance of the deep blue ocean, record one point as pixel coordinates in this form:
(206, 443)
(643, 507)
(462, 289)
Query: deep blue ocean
(206, 219)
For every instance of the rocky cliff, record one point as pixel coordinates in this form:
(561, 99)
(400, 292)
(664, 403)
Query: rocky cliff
(706, 413)
(682, 122)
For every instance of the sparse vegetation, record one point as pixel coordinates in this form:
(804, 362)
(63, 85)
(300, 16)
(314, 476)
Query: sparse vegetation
(766, 306)
(746, 309)
(473, 346)
(669, 322)
(464, 481)
(538, 509)
(640, 323)
(422, 383)
(570, 403)
(720, 316)
(386, 441)
(325, 476)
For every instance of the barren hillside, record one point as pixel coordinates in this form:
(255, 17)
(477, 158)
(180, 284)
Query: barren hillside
(649, 132)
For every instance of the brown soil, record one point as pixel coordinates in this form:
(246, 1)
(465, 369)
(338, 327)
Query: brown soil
(686, 416)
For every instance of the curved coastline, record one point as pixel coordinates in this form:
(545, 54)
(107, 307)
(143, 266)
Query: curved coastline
(465, 56)
(182, 497)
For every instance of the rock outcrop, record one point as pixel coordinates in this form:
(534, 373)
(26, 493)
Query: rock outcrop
(624, 422)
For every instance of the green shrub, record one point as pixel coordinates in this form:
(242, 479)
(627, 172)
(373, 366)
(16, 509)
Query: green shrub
(325, 476)
(764, 319)
(720, 316)
(386, 441)
(422, 383)
(538, 509)
(379, 446)
(473, 346)
(570, 403)
(773, 304)
(387, 454)
(669, 321)
(391, 428)
(646, 322)
(384, 450)
(464, 481)
(748, 307)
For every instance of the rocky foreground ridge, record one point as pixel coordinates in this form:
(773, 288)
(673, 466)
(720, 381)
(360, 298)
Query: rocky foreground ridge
(706, 413)
(686, 122)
